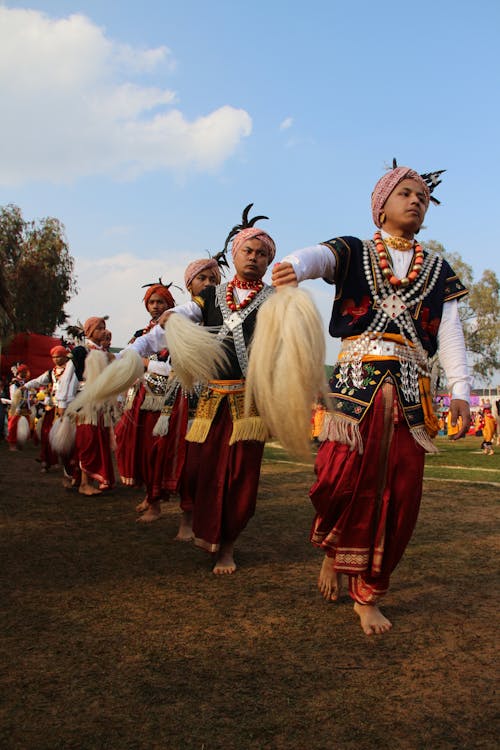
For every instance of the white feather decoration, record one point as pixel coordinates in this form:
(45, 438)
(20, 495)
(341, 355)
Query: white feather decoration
(112, 380)
(62, 436)
(196, 353)
(23, 431)
(286, 372)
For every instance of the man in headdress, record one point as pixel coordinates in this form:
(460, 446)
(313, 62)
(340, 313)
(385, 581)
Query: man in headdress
(222, 436)
(17, 407)
(51, 378)
(394, 306)
(93, 431)
(134, 430)
(168, 453)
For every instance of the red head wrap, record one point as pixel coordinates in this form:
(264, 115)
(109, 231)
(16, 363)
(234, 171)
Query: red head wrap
(197, 266)
(22, 369)
(163, 292)
(90, 325)
(386, 185)
(254, 233)
(58, 351)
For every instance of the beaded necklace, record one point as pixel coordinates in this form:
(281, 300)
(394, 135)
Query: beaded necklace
(385, 263)
(393, 305)
(254, 287)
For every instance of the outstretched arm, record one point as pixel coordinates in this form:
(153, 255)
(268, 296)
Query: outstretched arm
(453, 358)
(315, 262)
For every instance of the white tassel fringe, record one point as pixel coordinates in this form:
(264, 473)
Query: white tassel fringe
(197, 355)
(286, 372)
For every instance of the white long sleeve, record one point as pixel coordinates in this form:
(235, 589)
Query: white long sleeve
(149, 343)
(38, 382)
(318, 261)
(452, 352)
(67, 386)
(313, 262)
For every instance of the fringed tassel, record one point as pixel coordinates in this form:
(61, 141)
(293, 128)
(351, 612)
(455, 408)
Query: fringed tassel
(199, 430)
(161, 427)
(153, 402)
(62, 436)
(23, 431)
(421, 436)
(15, 403)
(38, 427)
(248, 428)
(340, 430)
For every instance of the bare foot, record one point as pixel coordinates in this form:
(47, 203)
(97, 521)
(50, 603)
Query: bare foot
(373, 621)
(153, 513)
(329, 581)
(185, 533)
(144, 505)
(87, 489)
(225, 564)
(68, 483)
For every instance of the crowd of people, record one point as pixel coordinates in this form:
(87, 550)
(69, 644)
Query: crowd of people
(394, 306)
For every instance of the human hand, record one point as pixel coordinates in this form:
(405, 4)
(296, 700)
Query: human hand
(284, 275)
(460, 409)
(164, 317)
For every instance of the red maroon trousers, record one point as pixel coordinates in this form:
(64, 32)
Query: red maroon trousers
(367, 505)
(225, 480)
(168, 456)
(47, 455)
(134, 442)
(93, 451)
(12, 429)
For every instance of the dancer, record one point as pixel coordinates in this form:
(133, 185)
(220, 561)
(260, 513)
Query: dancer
(489, 431)
(222, 437)
(169, 449)
(395, 305)
(93, 429)
(18, 407)
(145, 399)
(51, 378)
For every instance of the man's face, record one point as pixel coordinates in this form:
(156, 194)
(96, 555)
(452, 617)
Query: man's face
(405, 208)
(99, 333)
(202, 280)
(59, 359)
(251, 260)
(156, 304)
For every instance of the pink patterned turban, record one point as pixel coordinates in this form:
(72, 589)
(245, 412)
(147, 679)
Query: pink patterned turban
(386, 185)
(197, 266)
(254, 233)
(90, 325)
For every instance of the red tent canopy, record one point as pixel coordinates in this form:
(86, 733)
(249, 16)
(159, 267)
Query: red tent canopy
(32, 349)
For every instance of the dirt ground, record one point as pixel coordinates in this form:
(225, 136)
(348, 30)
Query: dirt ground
(112, 635)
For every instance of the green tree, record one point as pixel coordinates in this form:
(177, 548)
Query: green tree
(479, 312)
(36, 276)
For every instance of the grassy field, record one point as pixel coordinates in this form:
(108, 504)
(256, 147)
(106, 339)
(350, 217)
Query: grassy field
(115, 636)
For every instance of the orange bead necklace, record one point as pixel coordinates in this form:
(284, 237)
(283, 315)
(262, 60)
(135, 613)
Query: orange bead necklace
(386, 266)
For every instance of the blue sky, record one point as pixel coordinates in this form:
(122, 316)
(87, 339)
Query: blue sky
(147, 127)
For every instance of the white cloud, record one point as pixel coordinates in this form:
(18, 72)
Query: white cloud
(112, 286)
(286, 124)
(70, 106)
